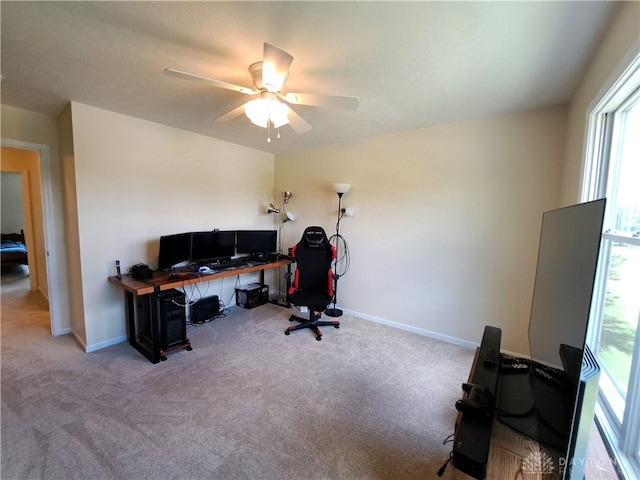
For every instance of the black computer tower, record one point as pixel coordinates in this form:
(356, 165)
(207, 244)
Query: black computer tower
(172, 322)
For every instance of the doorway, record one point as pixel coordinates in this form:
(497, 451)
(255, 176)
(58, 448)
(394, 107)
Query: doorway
(15, 264)
(31, 162)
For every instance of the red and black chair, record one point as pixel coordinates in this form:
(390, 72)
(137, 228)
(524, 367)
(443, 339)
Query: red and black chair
(312, 285)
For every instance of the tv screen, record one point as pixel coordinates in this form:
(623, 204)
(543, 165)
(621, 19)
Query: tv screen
(174, 249)
(257, 241)
(544, 404)
(206, 246)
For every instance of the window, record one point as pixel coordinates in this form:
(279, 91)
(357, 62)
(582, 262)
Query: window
(613, 171)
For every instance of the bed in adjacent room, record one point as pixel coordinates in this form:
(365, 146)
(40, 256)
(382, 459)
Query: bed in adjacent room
(13, 249)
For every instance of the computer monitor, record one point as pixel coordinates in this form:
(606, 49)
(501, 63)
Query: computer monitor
(208, 246)
(257, 241)
(554, 403)
(174, 249)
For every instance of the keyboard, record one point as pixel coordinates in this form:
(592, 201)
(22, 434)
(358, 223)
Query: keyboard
(226, 264)
(255, 263)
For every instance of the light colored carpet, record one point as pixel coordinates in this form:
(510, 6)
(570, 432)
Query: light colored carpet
(367, 402)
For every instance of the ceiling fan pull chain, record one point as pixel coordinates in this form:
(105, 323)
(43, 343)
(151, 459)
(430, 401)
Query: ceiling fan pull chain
(268, 132)
(278, 136)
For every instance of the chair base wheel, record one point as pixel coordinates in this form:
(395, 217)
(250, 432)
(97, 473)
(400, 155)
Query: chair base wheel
(313, 323)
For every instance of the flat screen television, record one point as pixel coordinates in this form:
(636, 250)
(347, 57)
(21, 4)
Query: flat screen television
(174, 249)
(553, 401)
(214, 245)
(257, 241)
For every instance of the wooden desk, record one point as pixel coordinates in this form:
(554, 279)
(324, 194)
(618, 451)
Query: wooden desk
(147, 290)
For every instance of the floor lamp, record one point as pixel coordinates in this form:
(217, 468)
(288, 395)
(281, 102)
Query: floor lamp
(340, 189)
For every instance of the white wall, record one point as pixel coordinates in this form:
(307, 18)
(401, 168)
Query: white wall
(12, 213)
(135, 181)
(623, 40)
(447, 220)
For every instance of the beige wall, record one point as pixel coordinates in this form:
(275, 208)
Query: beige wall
(621, 43)
(29, 130)
(72, 237)
(444, 237)
(12, 214)
(137, 180)
(27, 164)
(447, 219)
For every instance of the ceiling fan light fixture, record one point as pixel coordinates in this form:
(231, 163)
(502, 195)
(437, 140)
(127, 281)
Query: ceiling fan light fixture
(272, 108)
(264, 110)
(278, 113)
(257, 112)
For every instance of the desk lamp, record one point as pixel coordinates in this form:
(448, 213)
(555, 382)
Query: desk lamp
(340, 189)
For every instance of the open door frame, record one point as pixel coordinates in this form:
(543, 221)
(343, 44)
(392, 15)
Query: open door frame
(54, 253)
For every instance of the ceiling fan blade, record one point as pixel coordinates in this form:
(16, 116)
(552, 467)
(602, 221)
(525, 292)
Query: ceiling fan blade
(332, 101)
(218, 83)
(296, 122)
(275, 67)
(232, 114)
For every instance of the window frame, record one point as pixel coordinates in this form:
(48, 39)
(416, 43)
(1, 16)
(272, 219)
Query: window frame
(620, 425)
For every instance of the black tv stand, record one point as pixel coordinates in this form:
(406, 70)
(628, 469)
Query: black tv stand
(473, 432)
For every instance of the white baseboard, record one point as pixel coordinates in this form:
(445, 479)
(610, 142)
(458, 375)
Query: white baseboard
(409, 328)
(105, 344)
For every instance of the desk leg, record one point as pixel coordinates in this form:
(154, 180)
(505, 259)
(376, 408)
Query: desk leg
(130, 309)
(287, 276)
(154, 315)
(288, 284)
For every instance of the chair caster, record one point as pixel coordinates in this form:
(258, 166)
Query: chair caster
(336, 326)
(189, 349)
(287, 332)
(319, 337)
(163, 358)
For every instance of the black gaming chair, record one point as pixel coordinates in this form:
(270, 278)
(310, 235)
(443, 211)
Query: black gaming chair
(313, 279)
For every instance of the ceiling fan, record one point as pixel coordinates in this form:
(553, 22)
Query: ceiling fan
(272, 107)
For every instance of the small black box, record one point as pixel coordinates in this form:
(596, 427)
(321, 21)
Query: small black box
(205, 309)
(252, 295)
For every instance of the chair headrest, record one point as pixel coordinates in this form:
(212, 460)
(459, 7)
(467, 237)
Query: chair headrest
(314, 237)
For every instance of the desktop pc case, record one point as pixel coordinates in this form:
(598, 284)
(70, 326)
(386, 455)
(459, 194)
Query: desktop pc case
(205, 309)
(171, 315)
(252, 295)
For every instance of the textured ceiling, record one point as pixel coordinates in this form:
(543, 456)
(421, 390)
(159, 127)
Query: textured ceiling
(413, 64)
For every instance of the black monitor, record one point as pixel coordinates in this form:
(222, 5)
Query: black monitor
(257, 241)
(558, 394)
(174, 249)
(208, 246)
